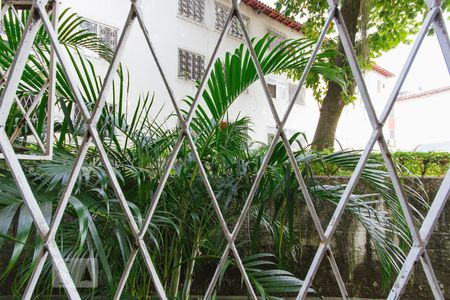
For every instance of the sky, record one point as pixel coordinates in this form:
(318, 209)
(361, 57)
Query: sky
(427, 72)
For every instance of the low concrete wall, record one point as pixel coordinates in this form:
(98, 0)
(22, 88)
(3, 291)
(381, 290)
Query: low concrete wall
(354, 254)
(357, 262)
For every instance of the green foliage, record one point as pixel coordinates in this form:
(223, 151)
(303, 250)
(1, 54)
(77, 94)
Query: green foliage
(184, 236)
(386, 23)
(421, 164)
(381, 26)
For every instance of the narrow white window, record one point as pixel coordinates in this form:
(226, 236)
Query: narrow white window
(278, 89)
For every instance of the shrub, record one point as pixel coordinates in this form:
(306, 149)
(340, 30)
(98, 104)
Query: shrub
(422, 164)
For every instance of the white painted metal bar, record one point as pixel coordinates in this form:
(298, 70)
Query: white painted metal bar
(125, 273)
(51, 101)
(48, 233)
(386, 156)
(419, 251)
(69, 72)
(173, 155)
(30, 124)
(30, 157)
(407, 66)
(431, 276)
(31, 286)
(430, 222)
(5, 8)
(7, 97)
(218, 211)
(36, 213)
(409, 219)
(47, 155)
(18, 65)
(426, 230)
(440, 29)
(266, 159)
(26, 118)
(72, 179)
(291, 157)
(185, 125)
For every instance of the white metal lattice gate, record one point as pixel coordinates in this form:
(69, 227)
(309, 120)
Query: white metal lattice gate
(40, 16)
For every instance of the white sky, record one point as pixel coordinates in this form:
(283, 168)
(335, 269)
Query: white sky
(428, 71)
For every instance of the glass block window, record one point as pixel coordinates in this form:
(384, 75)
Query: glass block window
(278, 38)
(222, 13)
(106, 33)
(109, 35)
(192, 9)
(89, 26)
(190, 65)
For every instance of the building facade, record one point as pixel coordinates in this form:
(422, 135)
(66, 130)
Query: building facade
(184, 34)
(421, 120)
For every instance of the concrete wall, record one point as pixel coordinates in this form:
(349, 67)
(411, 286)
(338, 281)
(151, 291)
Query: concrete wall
(353, 252)
(358, 265)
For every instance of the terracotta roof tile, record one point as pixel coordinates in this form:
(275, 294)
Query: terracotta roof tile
(382, 71)
(261, 7)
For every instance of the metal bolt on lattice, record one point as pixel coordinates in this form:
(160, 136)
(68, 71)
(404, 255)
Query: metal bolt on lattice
(47, 232)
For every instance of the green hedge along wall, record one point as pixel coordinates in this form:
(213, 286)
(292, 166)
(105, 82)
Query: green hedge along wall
(422, 164)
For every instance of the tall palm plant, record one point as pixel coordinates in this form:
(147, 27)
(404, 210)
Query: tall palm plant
(184, 235)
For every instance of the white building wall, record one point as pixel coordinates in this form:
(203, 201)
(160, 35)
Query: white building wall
(423, 120)
(354, 128)
(169, 32)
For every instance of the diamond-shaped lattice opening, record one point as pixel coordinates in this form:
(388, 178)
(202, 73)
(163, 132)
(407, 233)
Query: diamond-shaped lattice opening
(378, 137)
(31, 133)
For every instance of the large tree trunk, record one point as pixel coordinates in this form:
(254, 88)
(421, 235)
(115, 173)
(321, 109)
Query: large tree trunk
(333, 103)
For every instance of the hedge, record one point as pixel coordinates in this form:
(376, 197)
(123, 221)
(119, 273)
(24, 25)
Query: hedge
(422, 164)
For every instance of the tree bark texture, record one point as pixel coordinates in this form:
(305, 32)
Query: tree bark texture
(333, 103)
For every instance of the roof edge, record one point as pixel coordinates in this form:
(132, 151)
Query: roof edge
(262, 8)
(382, 71)
(424, 93)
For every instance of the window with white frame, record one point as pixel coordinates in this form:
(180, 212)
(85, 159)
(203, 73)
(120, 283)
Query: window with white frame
(278, 89)
(106, 33)
(235, 30)
(192, 9)
(278, 37)
(190, 65)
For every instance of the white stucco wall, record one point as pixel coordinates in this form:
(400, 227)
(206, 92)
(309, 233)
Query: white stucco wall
(422, 120)
(169, 32)
(354, 128)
